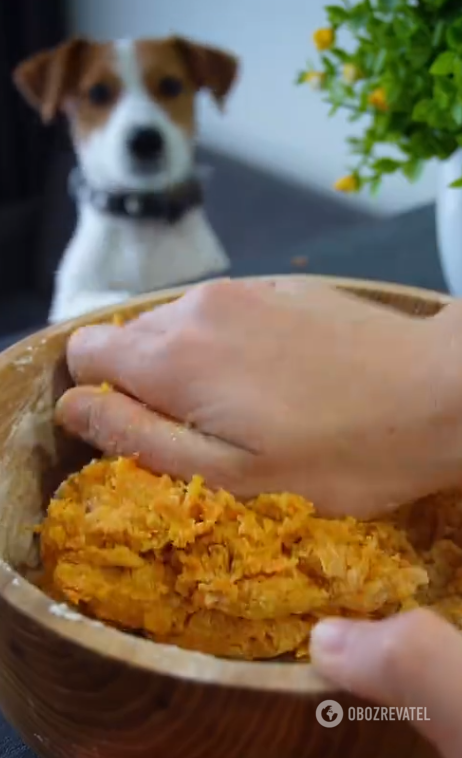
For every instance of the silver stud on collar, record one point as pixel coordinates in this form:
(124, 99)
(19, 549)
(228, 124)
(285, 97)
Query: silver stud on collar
(133, 206)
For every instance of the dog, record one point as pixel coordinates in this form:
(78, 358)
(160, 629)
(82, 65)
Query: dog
(131, 109)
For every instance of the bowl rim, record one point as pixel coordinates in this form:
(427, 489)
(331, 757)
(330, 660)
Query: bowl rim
(165, 295)
(144, 654)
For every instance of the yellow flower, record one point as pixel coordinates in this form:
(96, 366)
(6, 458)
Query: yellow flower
(378, 99)
(324, 38)
(315, 79)
(351, 73)
(347, 184)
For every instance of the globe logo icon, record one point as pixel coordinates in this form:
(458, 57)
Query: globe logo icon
(329, 713)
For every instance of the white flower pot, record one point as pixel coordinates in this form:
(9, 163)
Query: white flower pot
(449, 222)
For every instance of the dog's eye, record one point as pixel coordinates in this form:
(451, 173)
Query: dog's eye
(100, 94)
(170, 86)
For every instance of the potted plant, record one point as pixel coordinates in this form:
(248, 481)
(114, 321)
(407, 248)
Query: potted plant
(397, 64)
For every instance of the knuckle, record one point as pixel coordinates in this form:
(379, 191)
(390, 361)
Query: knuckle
(211, 296)
(98, 429)
(94, 420)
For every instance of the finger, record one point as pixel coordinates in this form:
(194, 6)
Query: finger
(410, 660)
(88, 348)
(119, 426)
(140, 366)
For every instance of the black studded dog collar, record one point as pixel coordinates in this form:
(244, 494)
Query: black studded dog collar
(165, 206)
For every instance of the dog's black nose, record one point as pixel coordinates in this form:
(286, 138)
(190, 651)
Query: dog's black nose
(146, 144)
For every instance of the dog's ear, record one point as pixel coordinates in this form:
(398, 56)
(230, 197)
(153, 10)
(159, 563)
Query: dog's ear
(210, 68)
(47, 79)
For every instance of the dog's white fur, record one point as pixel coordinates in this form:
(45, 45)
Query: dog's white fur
(111, 259)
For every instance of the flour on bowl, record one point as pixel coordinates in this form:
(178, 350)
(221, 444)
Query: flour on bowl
(61, 610)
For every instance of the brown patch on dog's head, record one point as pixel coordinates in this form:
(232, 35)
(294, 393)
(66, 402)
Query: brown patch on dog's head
(45, 80)
(78, 78)
(209, 67)
(98, 89)
(167, 80)
(174, 70)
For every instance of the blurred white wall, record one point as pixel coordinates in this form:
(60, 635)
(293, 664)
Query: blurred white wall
(269, 121)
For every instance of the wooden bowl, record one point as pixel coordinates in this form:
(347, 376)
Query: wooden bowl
(73, 687)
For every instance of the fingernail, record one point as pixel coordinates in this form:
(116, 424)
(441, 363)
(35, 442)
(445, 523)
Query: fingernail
(73, 406)
(329, 638)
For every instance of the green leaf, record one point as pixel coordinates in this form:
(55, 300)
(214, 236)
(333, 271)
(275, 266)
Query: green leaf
(336, 15)
(386, 166)
(419, 56)
(375, 185)
(333, 110)
(341, 55)
(355, 116)
(357, 146)
(380, 59)
(394, 89)
(423, 144)
(404, 26)
(359, 16)
(456, 112)
(439, 119)
(398, 124)
(381, 126)
(328, 65)
(413, 169)
(438, 33)
(454, 35)
(388, 5)
(436, 3)
(445, 146)
(444, 64)
(359, 179)
(300, 79)
(457, 184)
(422, 110)
(445, 93)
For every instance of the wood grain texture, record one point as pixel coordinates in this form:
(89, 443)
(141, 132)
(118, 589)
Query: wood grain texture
(73, 687)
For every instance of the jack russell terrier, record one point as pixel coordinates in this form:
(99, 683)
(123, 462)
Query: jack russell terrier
(131, 108)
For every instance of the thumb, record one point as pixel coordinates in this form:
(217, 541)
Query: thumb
(118, 425)
(410, 660)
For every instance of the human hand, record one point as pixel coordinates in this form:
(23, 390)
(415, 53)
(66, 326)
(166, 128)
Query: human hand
(413, 660)
(298, 388)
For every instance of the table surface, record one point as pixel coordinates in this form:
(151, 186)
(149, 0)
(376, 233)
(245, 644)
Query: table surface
(400, 250)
